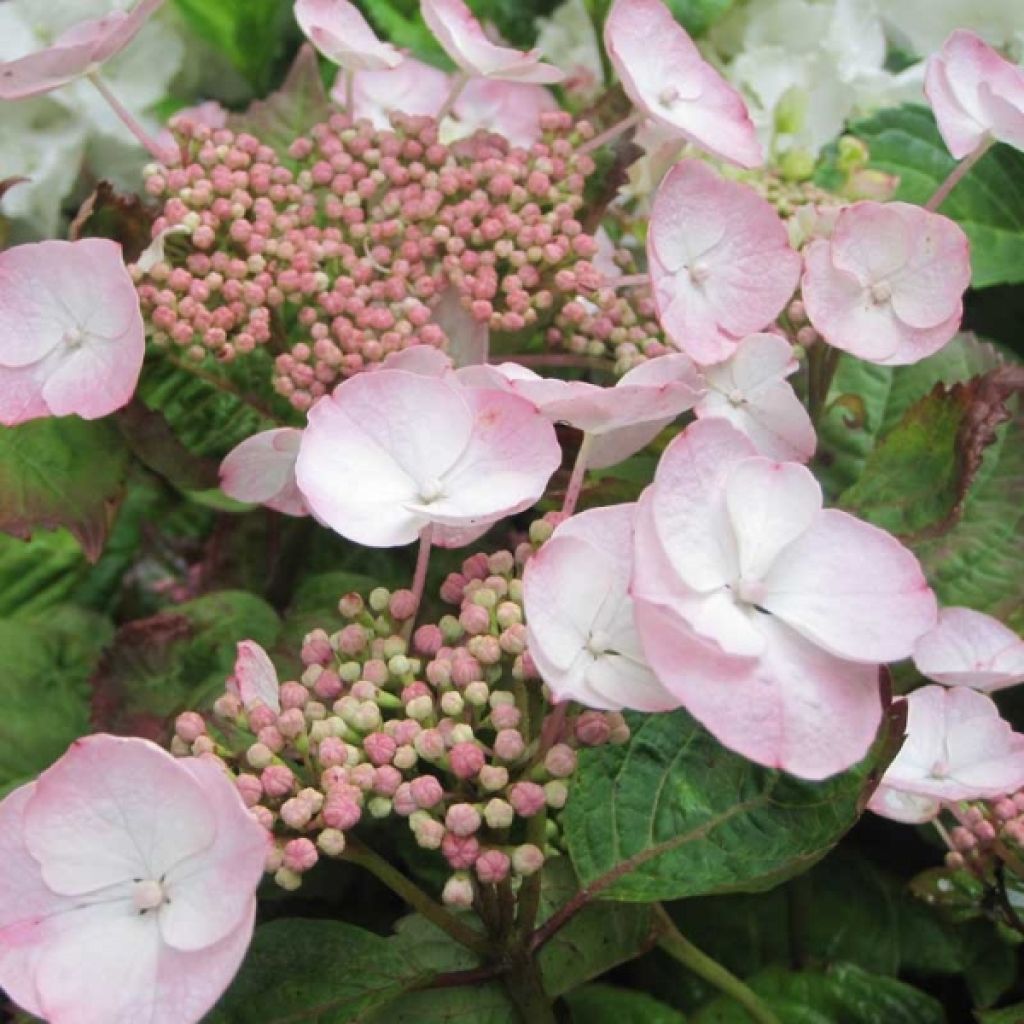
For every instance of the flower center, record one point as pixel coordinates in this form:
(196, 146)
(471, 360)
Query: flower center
(699, 272)
(73, 337)
(881, 291)
(431, 490)
(940, 769)
(148, 894)
(599, 643)
(736, 397)
(668, 96)
(750, 591)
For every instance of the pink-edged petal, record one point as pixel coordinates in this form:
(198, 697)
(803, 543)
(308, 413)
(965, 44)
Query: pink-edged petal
(457, 30)
(614, 446)
(210, 894)
(511, 109)
(664, 74)
(340, 32)
(770, 505)
(796, 707)
(255, 676)
(873, 241)
(113, 32)
(908, 808)
(688, 503)
(969, 648)
(42, 72)
(261, 470)
(760, 362)
(412, 88)
(425, 360)
(21, 395)
(112, 810)
(853, 589)
(468, 338)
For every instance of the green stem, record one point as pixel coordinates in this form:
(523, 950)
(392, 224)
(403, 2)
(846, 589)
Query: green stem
(822, 362)
(526, 990)
(673, 942)
(529, 893)
(358, 853)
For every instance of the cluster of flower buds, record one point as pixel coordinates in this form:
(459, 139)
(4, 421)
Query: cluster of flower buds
(337, 252)
(988, 832)
(449, 729)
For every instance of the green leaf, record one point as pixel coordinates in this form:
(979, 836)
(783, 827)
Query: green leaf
(44, 687)
(149, 436)
(404, 26)
(323, 971)
(1007, 1015)
(697, 16)
(61, 472)
(608, 1004)
(40, 573)
(674, 814)
(177, 659)
(988, 204)
(842, 995)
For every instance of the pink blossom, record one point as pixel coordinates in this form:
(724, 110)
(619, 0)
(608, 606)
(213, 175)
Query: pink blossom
(750, 390)
(581, 632)
(720, 259)
(664, 74)
(411, 88)
(464, 40)
(957, 748)
(511, 109)
(255, 678)
(392, 452)
(342, 35)
(888, 286)
(969, 648)
(71, 334)
(80, 50)
(766, 615)
(975, 93)
(128, 889)
(261, 470)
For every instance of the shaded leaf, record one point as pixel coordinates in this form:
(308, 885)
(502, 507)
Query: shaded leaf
(40, 573)
(151, 440)
(123, 217)
(1007, 1015)
(608, 1004)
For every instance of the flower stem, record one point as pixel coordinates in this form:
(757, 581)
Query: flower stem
(419, 578)
(357, 852)
(350, 94)
(526, 989)
(459, 82)
(130, 122)
(579, 471)
(822, 362)
(610, 134)
(958, 173)
(673, 942)
(629, 281)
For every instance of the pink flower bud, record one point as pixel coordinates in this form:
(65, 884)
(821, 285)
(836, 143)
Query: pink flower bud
(296, 813)
(277, 780)
(429, 834)
(271, 738)
(331, 842)
(264, 815)
(259, 755)
(963, 840)
(316, 648)
(527, 859)
(403, 801)
(341, 811)
(406, 730)
(985, 831)
(429, 744)
(420, 708)
(452, 703)
(475, 619)
(261, 717)
(527, 798)
(505, 716)
(461, 852)
(458, 892)
(426, 791)
(300, 855)
(466, 760)
(402, 605)
(361, 776)
(493, 777)
(386, 779)
(466, 670)
(328, 685)
(250, 788)
(352, 639)
(492, 866)
(189, 726)
(560, 761)
(203, 746)
(462, 819)
(293, 695)
(509, 744)
(363, 689)
(477, 694)
(1005, 809)
(291, 723)
(427, 640)
(350, 605)
(227, 706)
(380, 748)
(592, 729)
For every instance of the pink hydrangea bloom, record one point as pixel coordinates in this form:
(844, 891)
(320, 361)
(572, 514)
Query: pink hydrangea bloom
(621, 419)
(261, 470)
(342, 35)
(392, 452)
(78, 51)
(71, 334)
(888, 285)
(750, 390)
(975, 93)
(411, 88)
(969, 648)
(129, 886)
(664, 74)
(511, 109)
(957, 748)
(720, 260)
(254, 680)
(464, 40)
(581, 633)
(766, 615)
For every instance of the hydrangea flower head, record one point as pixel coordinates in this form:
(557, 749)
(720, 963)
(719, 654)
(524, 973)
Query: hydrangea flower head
(969, 648)
(71, 334)
(338, 30)
(129, 882)
(664, 74)
(888, 285)
(720, 260)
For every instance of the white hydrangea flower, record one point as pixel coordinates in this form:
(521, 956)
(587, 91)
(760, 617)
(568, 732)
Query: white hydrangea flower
(921, 26)
(568, 40)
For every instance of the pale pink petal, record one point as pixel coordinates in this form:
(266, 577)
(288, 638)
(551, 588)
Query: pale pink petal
(342, 35)
(21, 395)
(853, 589)
(255, 676)
(113, 809)
(261, 470)
(468, 338)
(907, 808)
(422, 359)
(464, 40)
(511, 109)
(412, 88)
(664, 74)
(969, 648)
(612, 447)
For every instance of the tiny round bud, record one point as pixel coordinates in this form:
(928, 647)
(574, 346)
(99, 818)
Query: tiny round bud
(379, 598)
(452, 703)
(259, 755)
(505, 716)
(426, 791)
(499, 813)
(592, 729)
(419, 709)
(350, 605)
(493, 777)
(492, 866)
(462, 819)
(527, 798)
(277, 780)
(466, 760)
(556, 793)
(189, 726)
(458, 891)
(560, 761)
(287, 879)
(476, 694)
(429, 744)
(527, 859)
(296, 813)
(379, 807)
(250, 788)
(460, 851)
(300, 855)
(331, 842)
(509, 744)
(429, 834)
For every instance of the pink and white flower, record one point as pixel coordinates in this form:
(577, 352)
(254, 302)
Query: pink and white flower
(750, 390)
(581, 633)
(129, 886)
(720, 259)
(391, 452)
(957, 748)
(465, 41)
(79, 51)
(338, 30)
(261, 470)
(969, 648)
(888, 285)
(510, 109)
(71, 333)
(411, 87)
(668, 80)
(254, 680)
(975, 93)
(764, 613)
